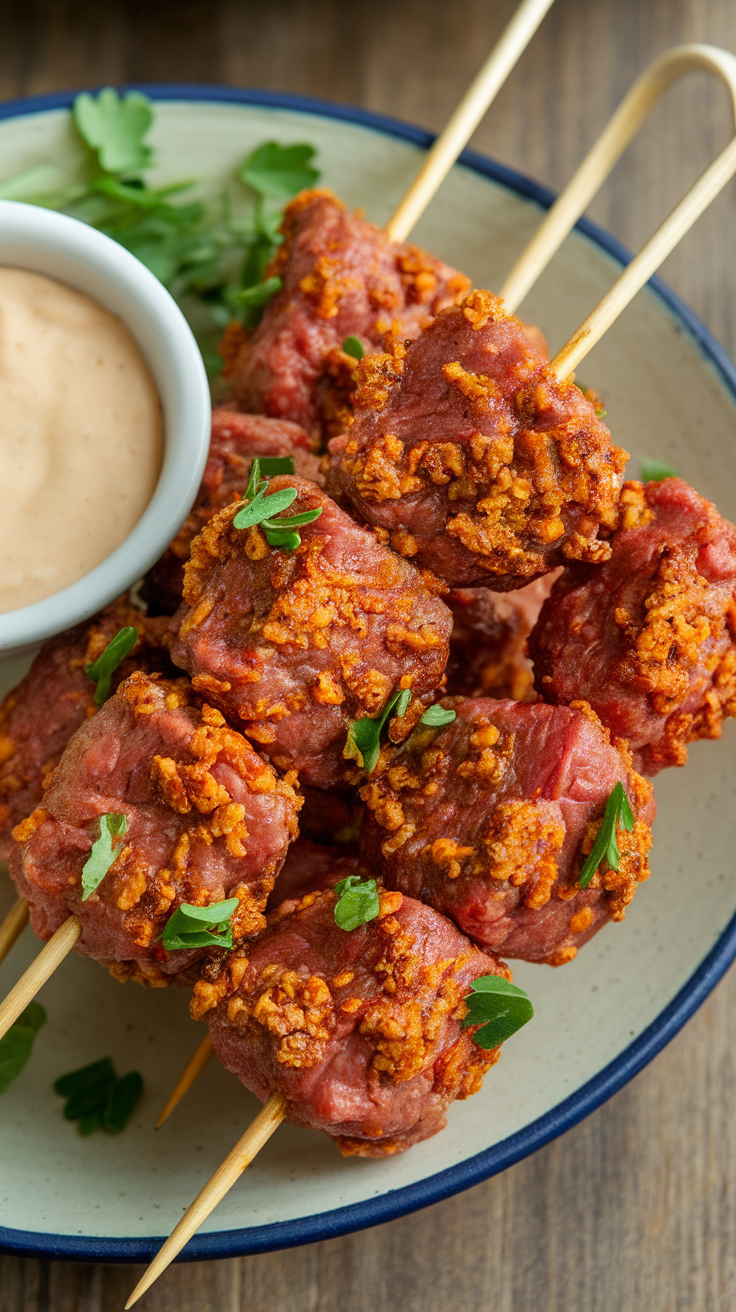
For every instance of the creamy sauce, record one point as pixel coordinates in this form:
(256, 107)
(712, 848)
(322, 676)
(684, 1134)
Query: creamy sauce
(81, 436)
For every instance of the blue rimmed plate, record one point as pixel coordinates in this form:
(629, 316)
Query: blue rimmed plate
(670, 392)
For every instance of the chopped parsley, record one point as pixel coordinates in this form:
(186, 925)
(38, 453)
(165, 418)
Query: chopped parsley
(17, 1043)
(103, 852)
(200, 927)
(276, 465)
(653, 471)
(96, 1098)
(617, 812)
(498, 1007)
(435, 716)
(357, 902)
(260, 509)
(212, 254)
(353, 346)
(105, 666)
(364, 735)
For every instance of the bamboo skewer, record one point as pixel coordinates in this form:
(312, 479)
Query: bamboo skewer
(40, 970)
(202, 1057)
(634, 109)
(13, 926)
(258, 1133)
(467, 116)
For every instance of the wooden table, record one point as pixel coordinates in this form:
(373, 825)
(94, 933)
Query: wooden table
(636, 1208)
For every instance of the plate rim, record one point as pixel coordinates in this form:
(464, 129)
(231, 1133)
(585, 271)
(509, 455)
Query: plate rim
(390, 1205)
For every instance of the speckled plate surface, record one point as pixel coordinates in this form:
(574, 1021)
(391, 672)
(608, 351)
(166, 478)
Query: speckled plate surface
(671, 393)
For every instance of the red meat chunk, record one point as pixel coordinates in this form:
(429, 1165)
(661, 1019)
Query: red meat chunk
(648, 638)
(342, 277)
(207, 819)
(490, 818)
(479, 464)
(488, 642)
(38, 718)
(293, 645)
(235, 441)
(361, 1031)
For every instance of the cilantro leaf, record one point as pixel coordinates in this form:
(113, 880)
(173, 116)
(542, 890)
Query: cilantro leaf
(114, 127)
(353, 346)
(435, 716)
(105, 666)
(499, 1007)
(95, 1097)
(200, 927)
(653, 471)
(259, 509)
(276, 464)
(121, 1101)
(357, 902)
(17, 1043)
(253, 300)
(364, 735)
(618, 812)
(103, 853)
(279, 172)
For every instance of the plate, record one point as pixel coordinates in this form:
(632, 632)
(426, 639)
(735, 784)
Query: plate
(670, 392)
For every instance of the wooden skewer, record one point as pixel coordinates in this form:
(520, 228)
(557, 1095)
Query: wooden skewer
(636, 106)
(40, 970)
(202, 1057)
(467, 116)
(13, 926)
(258, 1133)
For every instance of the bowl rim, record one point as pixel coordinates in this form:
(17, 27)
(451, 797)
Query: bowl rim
(442, 1184)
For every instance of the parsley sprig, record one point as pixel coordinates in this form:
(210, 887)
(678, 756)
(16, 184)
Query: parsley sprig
(353, 346)
(500, 1008)
(653, 471)
(617, 812)
(260, 509)
(95, 1097)
(16, 1045)
(105, 666)
(435, 716)
(103, 852)
(357, 902)
(212, 255)
(200, 927)
(364, 735)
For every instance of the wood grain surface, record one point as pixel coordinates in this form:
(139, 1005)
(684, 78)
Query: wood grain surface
(636, 1207)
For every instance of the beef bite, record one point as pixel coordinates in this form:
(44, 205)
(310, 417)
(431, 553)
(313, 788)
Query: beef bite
(341, 277)
(207, 819)
(292, 645)
(38, 718)
(648, 637)
(489, 820)
(471, 455)
(488, 643)
(235, 441)
(361, 1032)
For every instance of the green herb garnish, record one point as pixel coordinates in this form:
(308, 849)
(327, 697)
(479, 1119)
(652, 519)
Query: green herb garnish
(353, 346)
(200, 927)
(103, 853)
(653, 471)
(17, 1043)
(435, 716)
(114, 127)
(260, 509)
(499, 1007)
(364, 735)
(280, 172)
(105, 666)
(617, 812)
(271, 465)
(357, 902)
(97, 1098)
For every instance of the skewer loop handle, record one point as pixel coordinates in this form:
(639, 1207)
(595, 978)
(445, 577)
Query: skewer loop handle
(39, 971)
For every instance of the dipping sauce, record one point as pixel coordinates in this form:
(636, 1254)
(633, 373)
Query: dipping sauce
(81, 435)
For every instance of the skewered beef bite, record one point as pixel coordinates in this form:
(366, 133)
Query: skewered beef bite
(489, 820)
(648, 638)
(292, 645)
(360, 1031)
(207, 819)
(235, 441)
(479, 464)
(342, 277)
(487, 645)
(39, 716)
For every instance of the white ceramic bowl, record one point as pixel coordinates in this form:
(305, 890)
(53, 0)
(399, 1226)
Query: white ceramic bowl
(75, 254)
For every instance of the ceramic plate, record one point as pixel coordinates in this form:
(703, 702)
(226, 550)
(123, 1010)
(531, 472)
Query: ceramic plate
(671, 393)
